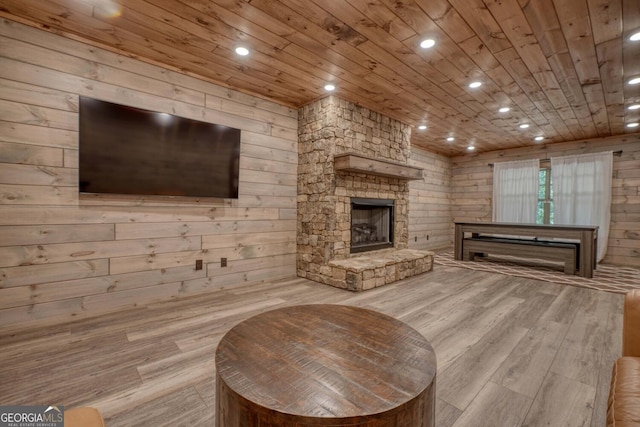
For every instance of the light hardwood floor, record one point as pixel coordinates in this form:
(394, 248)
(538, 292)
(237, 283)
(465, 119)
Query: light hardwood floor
(511, 351)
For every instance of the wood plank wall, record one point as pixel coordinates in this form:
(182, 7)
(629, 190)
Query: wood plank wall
(62, 254)
(430, 225)
(472, 188)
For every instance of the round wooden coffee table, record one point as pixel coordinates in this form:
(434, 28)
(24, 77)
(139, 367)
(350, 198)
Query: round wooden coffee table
(324, 365)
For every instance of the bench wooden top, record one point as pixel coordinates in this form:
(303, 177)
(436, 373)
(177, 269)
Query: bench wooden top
(525, 242)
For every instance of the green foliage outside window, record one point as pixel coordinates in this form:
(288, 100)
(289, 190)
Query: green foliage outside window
(545, 198)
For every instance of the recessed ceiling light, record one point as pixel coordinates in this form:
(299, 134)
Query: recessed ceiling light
(329, 87)
(633, 125)
(634, 107)
(635, 37)
(524, 125)
(427, 43)
(164, 117)
(108, 9)
(450, 139)
(422, 127)
(504, 109)
(539, 138)
(634, 81)
(242, 51)
(471, 148)
(474, 85)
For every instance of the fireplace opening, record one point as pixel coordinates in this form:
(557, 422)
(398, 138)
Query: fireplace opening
(371, 224)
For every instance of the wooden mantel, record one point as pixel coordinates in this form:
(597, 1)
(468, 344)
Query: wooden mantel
(351, 162)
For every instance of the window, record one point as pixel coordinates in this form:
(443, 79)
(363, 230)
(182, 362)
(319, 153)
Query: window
(545, 197)
(515, 191)
(582, 192)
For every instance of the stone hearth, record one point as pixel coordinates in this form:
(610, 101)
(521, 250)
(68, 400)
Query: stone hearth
(346, 151)
(368, 271)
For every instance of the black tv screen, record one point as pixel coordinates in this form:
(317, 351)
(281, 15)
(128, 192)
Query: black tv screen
(126, 150)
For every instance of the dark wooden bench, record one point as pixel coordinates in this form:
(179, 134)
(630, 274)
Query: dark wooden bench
(587, 236)
(567, 252)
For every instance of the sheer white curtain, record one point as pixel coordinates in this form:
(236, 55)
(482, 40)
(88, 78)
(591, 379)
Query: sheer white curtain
(515, 191)
(582, 192)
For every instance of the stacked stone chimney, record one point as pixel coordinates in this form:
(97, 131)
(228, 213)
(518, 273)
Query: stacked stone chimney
(326, 128)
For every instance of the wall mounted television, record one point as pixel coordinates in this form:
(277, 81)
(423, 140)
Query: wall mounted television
(127, 150)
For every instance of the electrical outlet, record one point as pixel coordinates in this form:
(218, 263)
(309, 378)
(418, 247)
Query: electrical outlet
(198, 264)
(223, 262)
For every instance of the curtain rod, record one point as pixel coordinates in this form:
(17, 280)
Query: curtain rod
(547, 160)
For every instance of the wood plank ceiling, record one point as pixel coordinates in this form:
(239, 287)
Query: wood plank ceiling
(561, 66)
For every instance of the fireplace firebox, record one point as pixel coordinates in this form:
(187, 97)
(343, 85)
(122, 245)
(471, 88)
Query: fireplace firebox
(371, 224)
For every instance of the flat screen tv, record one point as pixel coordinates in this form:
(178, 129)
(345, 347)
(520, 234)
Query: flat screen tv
(126, 150)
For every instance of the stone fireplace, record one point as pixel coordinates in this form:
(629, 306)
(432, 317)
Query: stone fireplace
(351, 154)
